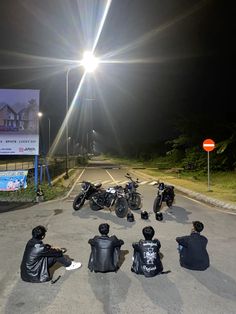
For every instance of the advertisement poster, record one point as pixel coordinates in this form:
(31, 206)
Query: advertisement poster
(13, 180)
(19, 124)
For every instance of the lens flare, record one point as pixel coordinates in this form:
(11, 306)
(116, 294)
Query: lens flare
(89, 62)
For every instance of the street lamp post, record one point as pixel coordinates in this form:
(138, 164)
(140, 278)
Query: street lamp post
(67, 109)
(49, 134)
(90, 63)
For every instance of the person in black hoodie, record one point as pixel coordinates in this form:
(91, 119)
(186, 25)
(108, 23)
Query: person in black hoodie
(192, 249)
(105, 251)
(147, 257)
(39, 257)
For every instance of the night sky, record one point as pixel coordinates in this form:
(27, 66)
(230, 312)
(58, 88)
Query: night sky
(178, 57)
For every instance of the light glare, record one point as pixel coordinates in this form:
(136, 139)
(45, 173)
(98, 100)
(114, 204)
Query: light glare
(89, 62)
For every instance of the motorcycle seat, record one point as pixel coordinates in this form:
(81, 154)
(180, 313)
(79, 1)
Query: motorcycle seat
(98, 185)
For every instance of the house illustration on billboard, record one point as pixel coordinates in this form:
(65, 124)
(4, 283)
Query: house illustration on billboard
(25, 120)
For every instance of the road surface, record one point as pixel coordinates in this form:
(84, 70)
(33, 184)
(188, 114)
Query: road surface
(80, 291)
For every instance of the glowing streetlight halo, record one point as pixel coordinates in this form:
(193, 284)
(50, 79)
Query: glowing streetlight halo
(89, 62)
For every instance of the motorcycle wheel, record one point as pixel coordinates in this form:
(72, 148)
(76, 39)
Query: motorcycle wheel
(94, 206)
(121, 208)
(134, 202)
(78, 201)
(169, 203)
(157, 204)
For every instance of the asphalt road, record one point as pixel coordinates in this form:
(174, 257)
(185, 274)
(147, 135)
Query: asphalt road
(80, 291)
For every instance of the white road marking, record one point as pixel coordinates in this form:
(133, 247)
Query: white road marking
(209, 206)
(67, 195)
(116, 182)
(152, 183)
(143, 182)
(107, 181)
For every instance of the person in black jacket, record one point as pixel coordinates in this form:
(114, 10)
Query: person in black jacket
(39, 257)
(192, 249)
(105, 251)
(146, 257)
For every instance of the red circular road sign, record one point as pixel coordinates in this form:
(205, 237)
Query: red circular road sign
(208, 145)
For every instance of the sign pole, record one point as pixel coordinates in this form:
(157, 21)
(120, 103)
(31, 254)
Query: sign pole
(208, 146)
(208, 169)
(36, 172)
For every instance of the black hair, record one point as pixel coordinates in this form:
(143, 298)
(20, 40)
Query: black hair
(39, 232)
(104, 229)
(148, 232)
(198, 226)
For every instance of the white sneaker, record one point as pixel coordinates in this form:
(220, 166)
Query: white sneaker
(74, 265)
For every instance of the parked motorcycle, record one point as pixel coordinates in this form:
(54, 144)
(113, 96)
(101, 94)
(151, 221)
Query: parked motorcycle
(132, 196)
(88, 189)
(109, 197)
(165, 193)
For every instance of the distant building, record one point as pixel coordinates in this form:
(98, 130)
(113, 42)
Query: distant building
(8, 118)
(25, 120)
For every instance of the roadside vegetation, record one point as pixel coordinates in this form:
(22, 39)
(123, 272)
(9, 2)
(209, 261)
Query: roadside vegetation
(29, 194)
(57, 189)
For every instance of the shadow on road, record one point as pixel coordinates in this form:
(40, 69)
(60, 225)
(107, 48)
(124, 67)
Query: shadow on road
(103, 214)
(10, 206)
(176, 213)
(162, 292)
(28, 297)
(110, 289)
(217, 282)
(122, 257)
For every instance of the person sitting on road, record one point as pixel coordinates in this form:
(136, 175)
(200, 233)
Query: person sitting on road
(146, 257)
(105, 251)
(192, 249)
(39, 257)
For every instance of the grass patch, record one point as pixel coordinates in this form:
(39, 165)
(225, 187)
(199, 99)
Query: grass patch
(29, 194)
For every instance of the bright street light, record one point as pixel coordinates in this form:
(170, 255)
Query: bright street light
(89, 61)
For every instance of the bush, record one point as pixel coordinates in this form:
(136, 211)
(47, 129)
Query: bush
(29, 194)
(82, 160)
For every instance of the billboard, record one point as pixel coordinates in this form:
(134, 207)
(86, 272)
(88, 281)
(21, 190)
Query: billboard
(19, 124)
(13, 180)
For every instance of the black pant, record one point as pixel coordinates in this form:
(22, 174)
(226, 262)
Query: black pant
(62, 260)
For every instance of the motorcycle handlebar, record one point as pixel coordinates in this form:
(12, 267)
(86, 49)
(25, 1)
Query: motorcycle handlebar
(129, 177)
